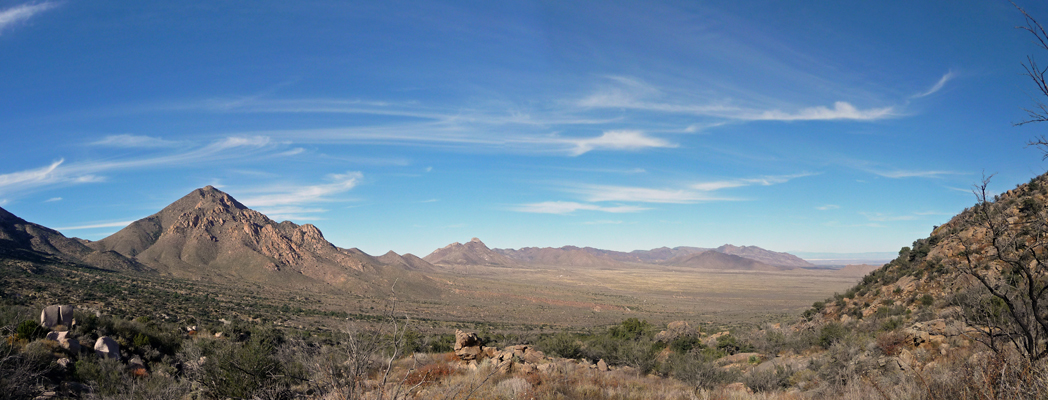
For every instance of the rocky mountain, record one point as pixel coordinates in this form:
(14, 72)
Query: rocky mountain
(720, 261)
(22, 239)
(209, 233)
(765, 256)
(473, 252)
(561, 256)
(652, 256)
(407, 261)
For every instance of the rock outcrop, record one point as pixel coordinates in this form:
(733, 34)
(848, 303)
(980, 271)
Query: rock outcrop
(57, 315)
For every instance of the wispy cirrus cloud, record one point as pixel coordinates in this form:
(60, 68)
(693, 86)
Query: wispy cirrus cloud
(120, 224)
(285, 195)
(898, 174)
(62, 173)
(135, 141)
(631, 94)
(937, 87)
(767, 180)
(828, 207)
(568, 207)
(880, 217)
(601, 193)
(21, 13)
(618, 140)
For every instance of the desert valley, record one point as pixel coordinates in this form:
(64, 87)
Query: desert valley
(664, 200)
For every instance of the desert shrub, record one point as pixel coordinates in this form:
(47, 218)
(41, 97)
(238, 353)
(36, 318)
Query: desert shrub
(731, 345)
(22, 372)
(697, 372)
(562, 344)
(241, 369)
(831, 333)
(108, 379)
(638, 354)
(30, 330)
(630, 329)
(842, 364)
(441, 343)
(927, 300)
(769, 379)
(889, 343)
(684, 344)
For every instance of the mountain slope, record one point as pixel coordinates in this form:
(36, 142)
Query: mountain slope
(720, 261)
(473, 252)
(407, 261)
(20, 237)
(208, 233)
(561, 256)
(765, 256)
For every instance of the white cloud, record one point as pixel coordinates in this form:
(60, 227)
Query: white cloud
(841, 111)
(599, 193)
(134, 141)
(120, 224)
(762, 181)
(53, 199)
(635, 95)
(828, 207)
(21, 13)
(618, 140)
(60, 172)
(938, 85)
(293, 194)
(567, 207)
(913, 174)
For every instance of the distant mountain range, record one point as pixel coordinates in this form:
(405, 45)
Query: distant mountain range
(208, 234)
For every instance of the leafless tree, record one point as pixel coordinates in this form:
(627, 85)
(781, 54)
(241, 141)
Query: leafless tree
(1038, 113)
(1006, 251)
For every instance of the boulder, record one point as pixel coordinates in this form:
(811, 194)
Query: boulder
(602, 366)
(105, 346)
(56, 315)
(673, 331)
(468, 346)
(65, 341)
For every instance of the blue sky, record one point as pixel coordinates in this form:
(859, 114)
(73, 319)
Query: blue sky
(816, 126)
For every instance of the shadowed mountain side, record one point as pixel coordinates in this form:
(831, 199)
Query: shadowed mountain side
(473, 252)
(562, 256)
(719, 261)
(20, 237)
(765, 256)
(207, 233)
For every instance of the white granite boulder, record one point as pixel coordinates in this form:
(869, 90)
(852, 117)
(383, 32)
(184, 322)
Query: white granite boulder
(57, 315)
(105, 346)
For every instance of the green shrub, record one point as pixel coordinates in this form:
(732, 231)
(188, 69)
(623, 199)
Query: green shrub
(30, 330)
(561, 345)
(697, 372)
(831, 333)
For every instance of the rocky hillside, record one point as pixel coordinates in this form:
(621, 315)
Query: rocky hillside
(22, 239)
(209, 233)
(936, 281)
(473, 252)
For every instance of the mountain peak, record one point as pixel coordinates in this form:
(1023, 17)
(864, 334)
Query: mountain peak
(475, 240)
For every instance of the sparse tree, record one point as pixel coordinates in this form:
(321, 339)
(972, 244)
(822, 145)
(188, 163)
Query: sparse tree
(1006, 252)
